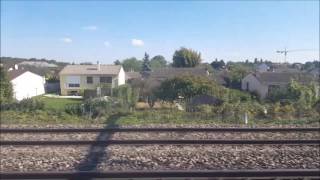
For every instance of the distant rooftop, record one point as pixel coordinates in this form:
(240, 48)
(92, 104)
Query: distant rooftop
(38, 64)
(173, 72)
(91, 69)
(15, 73)
(283, 77)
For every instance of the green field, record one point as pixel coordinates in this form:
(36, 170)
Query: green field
(57, 103)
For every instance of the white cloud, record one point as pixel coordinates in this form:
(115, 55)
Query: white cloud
(137, 42)
(107, 44)
(90, 28)
(66, 40)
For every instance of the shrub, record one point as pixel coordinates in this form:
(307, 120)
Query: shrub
(24, 105)
(94, 108)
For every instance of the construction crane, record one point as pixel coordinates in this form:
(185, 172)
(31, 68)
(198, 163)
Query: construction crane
(285, 52)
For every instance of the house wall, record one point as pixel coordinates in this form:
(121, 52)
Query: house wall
(121, 77)
(254, 86)
(83, 83)
(27, 85)
(262, 68)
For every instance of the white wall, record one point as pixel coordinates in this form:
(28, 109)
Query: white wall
(73, 79)
(27, 85)
(121, 77)
(262, 68)
(254, 86)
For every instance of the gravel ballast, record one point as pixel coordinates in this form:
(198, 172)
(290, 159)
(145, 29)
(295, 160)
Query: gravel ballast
(161, 135)
(157, 157)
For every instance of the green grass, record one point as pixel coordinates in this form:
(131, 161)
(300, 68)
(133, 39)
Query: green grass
(42, 117)
(57, 103)
(56, 116)
(181, 118)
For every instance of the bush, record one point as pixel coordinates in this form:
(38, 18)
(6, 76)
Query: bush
(24, 105)
(94, 108)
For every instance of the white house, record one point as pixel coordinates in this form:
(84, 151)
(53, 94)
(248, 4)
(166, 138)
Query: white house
(75, 79)
(264, 83)
(315, 72)
(262, 68)
(26, 84)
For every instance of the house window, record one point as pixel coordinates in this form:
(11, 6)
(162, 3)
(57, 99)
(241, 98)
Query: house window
(73, 81)
(89, 80)
(105, 79)
(247, 86)
(73, 85)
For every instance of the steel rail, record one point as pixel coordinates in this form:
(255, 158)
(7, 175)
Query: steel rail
(96, 130)
(162, 174)
(158, 142)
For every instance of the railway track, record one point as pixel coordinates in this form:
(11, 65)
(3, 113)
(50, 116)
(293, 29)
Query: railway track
(97, 130)
(159, 142)
(269, 173)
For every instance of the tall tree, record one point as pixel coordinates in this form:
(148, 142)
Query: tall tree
(117, 62)
(146, 63)
(218, 64)
(158, 62)
(186, 58)
(6, 91)
(132, 64)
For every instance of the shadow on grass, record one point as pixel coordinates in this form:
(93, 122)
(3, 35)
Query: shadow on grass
(97, 153)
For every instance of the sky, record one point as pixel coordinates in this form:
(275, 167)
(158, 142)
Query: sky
(91, 31)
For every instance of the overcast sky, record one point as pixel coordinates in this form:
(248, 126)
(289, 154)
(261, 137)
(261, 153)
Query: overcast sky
(105, 31)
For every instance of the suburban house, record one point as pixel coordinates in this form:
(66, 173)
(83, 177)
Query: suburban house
(315, 72)
(26, 84)
(262, 68)
(264, 83)
(98, 78)
(132, 76)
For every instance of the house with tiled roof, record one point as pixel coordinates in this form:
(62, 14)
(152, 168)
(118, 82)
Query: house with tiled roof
(264, 83)
(75, 79)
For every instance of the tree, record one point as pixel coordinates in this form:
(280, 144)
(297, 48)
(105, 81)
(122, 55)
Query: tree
(158, 62)
(117, 62)
(127, 95)
(6, 91)
(132, 64)
(236, 73)
(86, 63)
(218, 64)
(146, 63)
(186, 58)
(306, 95)
(187, 87)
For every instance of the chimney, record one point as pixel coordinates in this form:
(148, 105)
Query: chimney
(98, 64)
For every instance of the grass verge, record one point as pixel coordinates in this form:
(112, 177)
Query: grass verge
(57, 103)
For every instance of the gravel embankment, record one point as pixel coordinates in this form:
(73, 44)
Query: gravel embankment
(161, 135)
(155, 157)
